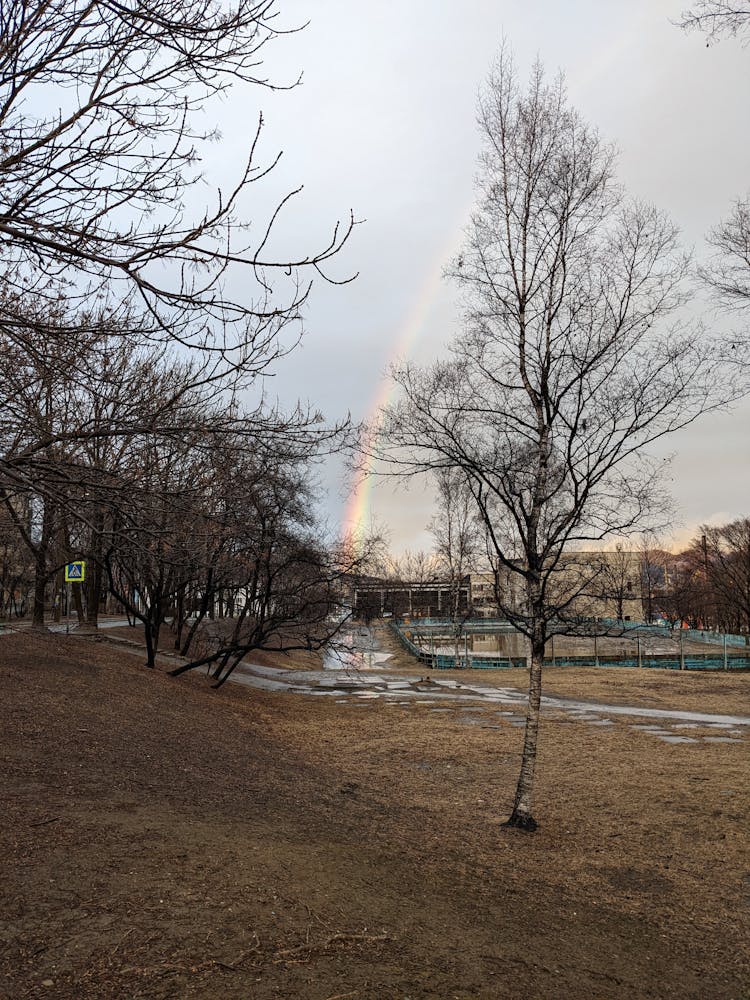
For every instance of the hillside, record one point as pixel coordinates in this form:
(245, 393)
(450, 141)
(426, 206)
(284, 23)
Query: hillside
(162, 840)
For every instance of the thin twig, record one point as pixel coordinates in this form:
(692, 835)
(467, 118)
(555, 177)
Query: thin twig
(333, 939)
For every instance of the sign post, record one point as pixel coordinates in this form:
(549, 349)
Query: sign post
(75, 572)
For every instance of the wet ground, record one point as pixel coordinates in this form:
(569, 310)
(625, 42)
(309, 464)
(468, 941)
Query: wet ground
(500, 706)
(360, 673)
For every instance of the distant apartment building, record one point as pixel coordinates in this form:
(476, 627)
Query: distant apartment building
(585, 585)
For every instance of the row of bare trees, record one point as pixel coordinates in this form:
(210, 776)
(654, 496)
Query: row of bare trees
(182, 502)
(136, 316)
(706, 586)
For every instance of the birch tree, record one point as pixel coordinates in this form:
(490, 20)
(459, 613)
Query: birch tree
(573, 361)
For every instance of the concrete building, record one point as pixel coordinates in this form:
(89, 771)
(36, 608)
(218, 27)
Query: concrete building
(372, 598)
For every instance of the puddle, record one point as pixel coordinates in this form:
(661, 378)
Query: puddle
(651, 713)
(368, 686)
(675, 739)
(721, 739)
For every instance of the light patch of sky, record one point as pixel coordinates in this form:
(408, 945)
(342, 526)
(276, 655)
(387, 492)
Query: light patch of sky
(384, 123)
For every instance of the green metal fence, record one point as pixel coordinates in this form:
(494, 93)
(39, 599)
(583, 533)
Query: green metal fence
(692, 661)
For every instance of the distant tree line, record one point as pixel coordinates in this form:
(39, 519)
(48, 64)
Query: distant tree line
(707, 585)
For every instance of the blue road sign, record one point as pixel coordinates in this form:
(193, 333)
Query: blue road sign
(75, 572)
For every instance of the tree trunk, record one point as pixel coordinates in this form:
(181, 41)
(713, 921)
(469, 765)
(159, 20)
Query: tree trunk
(41, 573)
(151, 629)
(40, 585)
(521, 817)
(179, 617)
(58, 591)
(206, 602)
(77, 602)
(95, 573)
(93, 593)
(150, 653)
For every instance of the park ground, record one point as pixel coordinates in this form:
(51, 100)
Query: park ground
(162, 840)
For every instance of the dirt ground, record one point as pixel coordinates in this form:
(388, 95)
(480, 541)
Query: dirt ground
(160, 840)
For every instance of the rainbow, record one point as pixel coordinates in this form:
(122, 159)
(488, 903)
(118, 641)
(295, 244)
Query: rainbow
(358, 510)
(357, 515)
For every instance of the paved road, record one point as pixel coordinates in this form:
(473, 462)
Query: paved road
(63, 626)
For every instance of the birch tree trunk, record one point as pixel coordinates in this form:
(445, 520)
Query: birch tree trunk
(521, 816)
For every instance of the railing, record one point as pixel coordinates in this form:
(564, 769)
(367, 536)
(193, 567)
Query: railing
(683, 661)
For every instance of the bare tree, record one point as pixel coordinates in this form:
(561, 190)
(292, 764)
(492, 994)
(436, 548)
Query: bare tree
(653, 562)
(286, 585)
(728, 272)
(37, 401)
(683, 592)
(411, 578)
(103, 112)
(16, 564)
(567, 370)
(618, 582)
(72, 406)
(154, 524)
(717, 18)
(723, 555)
(458, 543)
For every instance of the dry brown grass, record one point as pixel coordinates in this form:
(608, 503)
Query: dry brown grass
(160, 840)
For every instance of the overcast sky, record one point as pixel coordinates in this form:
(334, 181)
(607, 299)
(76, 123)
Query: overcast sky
(384, 123)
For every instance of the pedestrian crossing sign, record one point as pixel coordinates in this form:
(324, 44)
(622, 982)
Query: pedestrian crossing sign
(75, 572)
